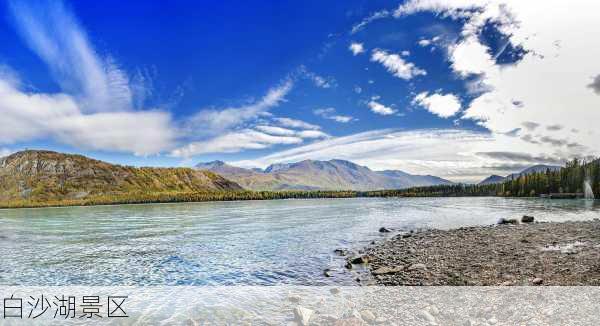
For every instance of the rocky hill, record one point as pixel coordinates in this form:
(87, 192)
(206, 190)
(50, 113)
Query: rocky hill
(45, 175)
(319, 175)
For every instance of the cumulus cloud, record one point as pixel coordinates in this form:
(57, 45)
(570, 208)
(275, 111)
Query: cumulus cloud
(379, 108)
(356, 48)
(548, 83)
(441, 105)
(396, 65)
(331, 114)
(28, 117)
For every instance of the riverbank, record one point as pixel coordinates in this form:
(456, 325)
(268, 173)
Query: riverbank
(208, 196)
(566, 253)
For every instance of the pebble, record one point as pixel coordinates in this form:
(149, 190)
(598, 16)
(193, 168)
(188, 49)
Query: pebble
(417, 266)
(302, 315)
(388, 270)
(427, 316)
(367, 316)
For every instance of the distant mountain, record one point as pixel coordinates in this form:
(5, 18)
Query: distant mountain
(402, 179)
(45, 175)
(320, 175)
(492, 179)
(533, 169)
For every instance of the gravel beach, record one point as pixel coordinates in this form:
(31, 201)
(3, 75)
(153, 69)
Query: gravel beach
(565, 253)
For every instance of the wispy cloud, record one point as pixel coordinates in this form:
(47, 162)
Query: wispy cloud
(294, 123)
(396, 65)
(214, 121)
(54, 34)
(331, 114)
(95, 110)
(247, 139)
(369, 19)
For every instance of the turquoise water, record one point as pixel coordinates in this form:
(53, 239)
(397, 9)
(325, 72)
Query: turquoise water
(225, 243)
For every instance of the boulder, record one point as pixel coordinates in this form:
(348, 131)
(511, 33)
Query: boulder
(341, 252)
(537, 281)
(508, 221)
(384, 230)
(527, 219)
(327, 272)
(360, 260)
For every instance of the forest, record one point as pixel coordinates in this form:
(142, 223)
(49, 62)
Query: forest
(569, 179)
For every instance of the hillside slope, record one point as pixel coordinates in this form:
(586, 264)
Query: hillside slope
(45, 175)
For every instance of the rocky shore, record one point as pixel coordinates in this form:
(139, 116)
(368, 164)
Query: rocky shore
(510, 253)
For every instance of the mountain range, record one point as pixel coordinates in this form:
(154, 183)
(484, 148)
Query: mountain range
(46, 176)
(319, 175)
(533, 169)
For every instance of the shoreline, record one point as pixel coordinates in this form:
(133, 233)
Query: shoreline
(217, 196)
(539, 253)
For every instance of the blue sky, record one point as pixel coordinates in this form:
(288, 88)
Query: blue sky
(459, 89)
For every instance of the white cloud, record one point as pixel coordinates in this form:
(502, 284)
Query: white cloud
(279, 131)
(424, 42)
(379, 108)
(311, 134)
(330, 113)
(356, 48)
(294, 123)
(395, 64)
(27, 117)
(443, 106)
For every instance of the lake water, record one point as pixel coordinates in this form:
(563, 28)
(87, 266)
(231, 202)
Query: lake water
(225, 243)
